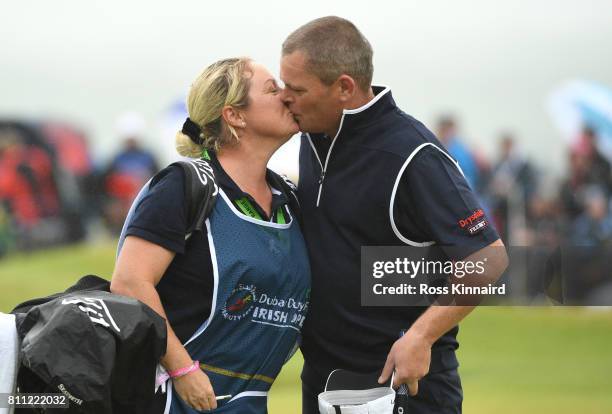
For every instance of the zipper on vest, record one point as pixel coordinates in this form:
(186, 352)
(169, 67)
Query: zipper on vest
(324, 167)
(321, 178)
(322, 175)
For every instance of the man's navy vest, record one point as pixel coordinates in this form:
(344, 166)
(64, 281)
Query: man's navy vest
(346, 199)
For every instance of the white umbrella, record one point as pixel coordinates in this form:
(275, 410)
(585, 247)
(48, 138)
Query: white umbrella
(169, 123)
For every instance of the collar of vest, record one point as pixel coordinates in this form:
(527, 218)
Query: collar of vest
(353, 119)
(382, 100)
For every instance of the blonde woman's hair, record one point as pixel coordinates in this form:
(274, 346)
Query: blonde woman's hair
(221, 84)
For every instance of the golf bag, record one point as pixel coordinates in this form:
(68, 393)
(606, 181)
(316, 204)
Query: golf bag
(83, 344)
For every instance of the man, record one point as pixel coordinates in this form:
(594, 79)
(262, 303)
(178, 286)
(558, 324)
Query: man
(372, 175)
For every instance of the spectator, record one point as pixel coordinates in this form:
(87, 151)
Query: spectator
(594, 226)
(448, 136)
(587, 168)
(599, 171)
(572, 187)
(128, 170)
(511, 186)
(27, 184)
(587, 261)
(542, 234)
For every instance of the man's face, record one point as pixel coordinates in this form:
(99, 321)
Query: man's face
(315, 106)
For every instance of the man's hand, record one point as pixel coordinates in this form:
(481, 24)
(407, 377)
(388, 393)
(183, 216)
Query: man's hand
(410, 356)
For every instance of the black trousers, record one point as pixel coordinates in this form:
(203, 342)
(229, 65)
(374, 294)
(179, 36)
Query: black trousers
(439, 393)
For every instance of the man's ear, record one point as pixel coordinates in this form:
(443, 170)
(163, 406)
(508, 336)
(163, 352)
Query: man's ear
(347, 87)
(232, 117)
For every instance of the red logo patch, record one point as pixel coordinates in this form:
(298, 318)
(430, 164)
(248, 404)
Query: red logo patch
(474, 223)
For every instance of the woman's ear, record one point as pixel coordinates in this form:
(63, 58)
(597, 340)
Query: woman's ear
(233, 117)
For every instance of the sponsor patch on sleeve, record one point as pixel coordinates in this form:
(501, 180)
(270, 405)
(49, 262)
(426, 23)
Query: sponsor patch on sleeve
(475, 223)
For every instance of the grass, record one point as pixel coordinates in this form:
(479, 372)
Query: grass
(513, 360)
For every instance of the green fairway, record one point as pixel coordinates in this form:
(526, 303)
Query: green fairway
(513, 360)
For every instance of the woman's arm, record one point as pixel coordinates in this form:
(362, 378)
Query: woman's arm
(139, 268)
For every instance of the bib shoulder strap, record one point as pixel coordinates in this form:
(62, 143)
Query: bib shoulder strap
(287, 187)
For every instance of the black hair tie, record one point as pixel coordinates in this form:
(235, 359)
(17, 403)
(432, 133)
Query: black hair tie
(193, 131)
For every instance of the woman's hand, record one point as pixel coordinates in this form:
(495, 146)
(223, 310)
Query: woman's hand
(196, 390)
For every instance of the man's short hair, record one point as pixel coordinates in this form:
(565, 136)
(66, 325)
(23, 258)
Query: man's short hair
(333, 46)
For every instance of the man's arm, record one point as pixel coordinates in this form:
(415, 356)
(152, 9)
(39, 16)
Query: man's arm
(410, 355)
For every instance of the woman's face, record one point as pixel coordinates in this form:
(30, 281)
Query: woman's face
(266, 115)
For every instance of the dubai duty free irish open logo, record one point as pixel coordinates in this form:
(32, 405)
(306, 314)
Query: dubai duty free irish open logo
(240, 303)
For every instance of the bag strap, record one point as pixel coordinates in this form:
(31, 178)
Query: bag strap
(201, 191)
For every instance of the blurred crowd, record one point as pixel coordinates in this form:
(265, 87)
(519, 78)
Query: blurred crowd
(51, 190)
(560, 230)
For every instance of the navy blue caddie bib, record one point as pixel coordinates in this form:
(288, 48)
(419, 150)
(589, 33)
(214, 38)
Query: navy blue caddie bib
(261, 292)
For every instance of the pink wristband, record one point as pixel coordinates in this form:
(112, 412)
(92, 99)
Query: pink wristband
(184, 371)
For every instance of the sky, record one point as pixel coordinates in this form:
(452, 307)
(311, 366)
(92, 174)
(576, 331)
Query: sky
(491, 63)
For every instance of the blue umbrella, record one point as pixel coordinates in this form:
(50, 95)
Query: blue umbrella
(578, 103)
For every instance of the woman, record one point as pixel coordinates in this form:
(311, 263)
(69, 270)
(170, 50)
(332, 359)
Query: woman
(235, 297)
